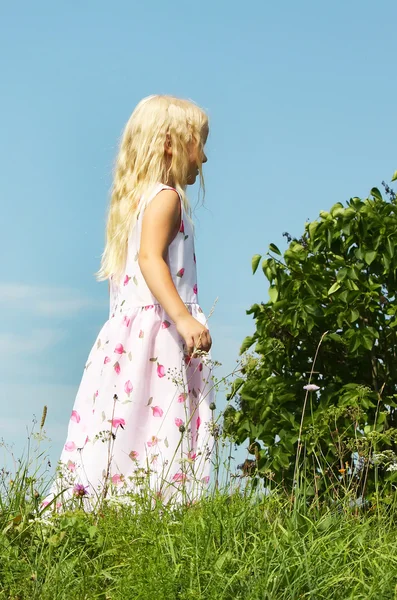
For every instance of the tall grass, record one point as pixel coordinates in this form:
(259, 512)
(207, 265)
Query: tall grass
(238, 542)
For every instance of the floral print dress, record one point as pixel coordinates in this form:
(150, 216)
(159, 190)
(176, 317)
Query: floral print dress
(142, 416)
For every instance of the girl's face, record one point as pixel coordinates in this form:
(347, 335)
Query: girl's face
(197, 156)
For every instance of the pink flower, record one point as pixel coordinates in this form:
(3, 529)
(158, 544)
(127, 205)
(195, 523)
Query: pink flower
(182, 227)
(206, 479)
(160, 370)
(126, 280)
(117, 422)
(180, 273)
(157, 411)
(182, 398)
(80, 490)
(195, 289)
(119, 349)
(133, 454)
(126, 321)
(96, 394)
(71, 466)
(117, 479)
(75, 416)
(107, 360)
(128, 387)
(165, 324)
(178, 422)
(198, 422)
(153, 441)
(45, 503)
(179, 477)
(191, 455)
(70, 446)
(149, 306)
(141, 334)
(117, 367)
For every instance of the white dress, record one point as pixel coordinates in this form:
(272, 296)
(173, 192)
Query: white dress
(141, 418)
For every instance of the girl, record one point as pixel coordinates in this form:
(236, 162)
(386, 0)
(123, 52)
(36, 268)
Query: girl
(141, 418)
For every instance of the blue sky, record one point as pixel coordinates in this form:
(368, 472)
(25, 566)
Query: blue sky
(301, 98)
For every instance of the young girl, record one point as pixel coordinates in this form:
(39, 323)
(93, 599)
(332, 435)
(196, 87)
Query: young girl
(142, 419)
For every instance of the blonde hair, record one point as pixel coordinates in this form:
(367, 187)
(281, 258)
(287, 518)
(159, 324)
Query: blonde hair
(141, 164)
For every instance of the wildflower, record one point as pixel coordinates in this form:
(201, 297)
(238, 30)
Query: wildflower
(311, 387)
(360, 464)
(342, 471)
(79, 490)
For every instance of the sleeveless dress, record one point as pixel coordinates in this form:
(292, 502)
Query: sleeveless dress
(141, 422)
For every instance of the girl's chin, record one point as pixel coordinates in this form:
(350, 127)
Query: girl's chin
(192, 179)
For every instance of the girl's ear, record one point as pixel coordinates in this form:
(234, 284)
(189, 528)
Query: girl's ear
(167, 144)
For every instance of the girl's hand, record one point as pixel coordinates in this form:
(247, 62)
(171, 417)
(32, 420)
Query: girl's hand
(195, 335)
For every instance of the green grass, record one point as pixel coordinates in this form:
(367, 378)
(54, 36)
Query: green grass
(232, 545)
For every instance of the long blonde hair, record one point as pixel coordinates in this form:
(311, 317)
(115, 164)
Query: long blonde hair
(141, 164)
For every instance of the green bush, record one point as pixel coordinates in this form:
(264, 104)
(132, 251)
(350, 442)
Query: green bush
(330, 322)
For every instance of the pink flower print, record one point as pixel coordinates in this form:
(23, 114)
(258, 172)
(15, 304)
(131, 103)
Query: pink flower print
(71, 466)
(107, 360)
(141, 334)
(206, 479)
(157, 411)
(182, 398)
(117, 479)
(96, 394)
(128, 387)
(153, 441)
(179, 477)
(180, 273)
(117, 423)
(70, 446)
(160, 370)
(165, 324)
(126, 280)
(178, 422)
(126, 321)
(149, 306)
(133, 454)
(75, 416)
(195, 290)
(182, 227)
(191, 455)
(198, 422)
(117, 367)
(119, 349)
